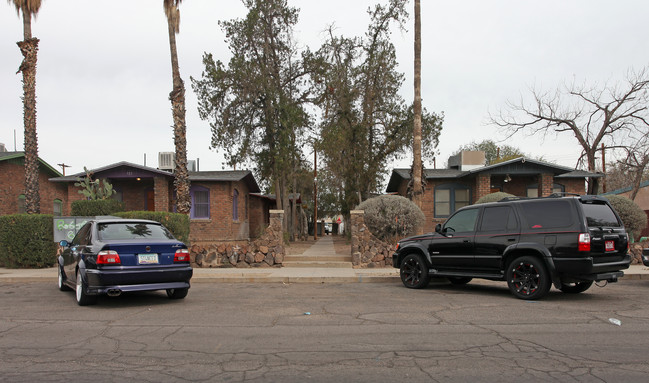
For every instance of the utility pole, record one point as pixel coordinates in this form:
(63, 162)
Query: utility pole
(63, 166)
(315, 193)
(603, 169)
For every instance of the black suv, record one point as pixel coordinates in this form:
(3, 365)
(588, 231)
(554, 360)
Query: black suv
(531, 243)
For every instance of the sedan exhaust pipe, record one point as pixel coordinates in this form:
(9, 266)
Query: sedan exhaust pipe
(114, 292)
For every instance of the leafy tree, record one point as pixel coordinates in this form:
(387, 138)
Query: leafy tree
(255, 104)
(610, 115)
(390, 216)
(365, 123)
(177, 98)
(493, 153)
(633, 217)
(29, 49)
(493, 197)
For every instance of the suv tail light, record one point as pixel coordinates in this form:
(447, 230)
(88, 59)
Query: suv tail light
(182, 255)
(108, 257)
(584, 242)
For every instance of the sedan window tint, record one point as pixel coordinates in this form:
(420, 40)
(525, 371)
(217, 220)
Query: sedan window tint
(132, 230)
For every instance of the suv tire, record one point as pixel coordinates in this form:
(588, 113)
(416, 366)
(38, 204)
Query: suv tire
(576, 288)
(414, 272)
(528, 278)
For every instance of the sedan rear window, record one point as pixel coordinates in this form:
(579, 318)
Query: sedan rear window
(132, 230)
(600, 214)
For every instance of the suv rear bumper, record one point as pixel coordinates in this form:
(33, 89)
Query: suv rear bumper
(585, 266)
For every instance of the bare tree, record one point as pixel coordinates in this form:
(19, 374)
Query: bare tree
(636, 162)
(616, 116)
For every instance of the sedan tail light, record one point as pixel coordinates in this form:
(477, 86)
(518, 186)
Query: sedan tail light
(584, 242)
(108, 257)
(182, 255)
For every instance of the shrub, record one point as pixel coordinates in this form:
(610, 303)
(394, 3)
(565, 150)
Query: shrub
(27, 240)
(494, 197)
(91, 208)
(633, 217)
(178, 224)
(391, 216)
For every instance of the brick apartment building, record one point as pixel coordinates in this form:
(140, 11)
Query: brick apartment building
(224, 206)
(12, 186)
(467, 180)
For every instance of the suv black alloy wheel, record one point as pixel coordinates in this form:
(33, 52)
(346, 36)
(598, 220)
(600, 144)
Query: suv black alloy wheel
(414, 272)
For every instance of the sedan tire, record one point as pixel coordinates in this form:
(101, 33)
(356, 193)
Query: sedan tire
(83, 299)
(61, 281)
(177, 293)
(576, 288)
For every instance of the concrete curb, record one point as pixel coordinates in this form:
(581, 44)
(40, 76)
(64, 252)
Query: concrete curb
(274, 275)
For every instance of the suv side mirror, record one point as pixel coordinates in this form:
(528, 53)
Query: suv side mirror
(438, 228)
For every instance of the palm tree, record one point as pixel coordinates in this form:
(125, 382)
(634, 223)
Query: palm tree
(177, 98)
(417, 167)
(29, 49)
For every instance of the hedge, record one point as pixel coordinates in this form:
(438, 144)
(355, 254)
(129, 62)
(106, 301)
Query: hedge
(27, 240)
(493, 197)
(633, 217)
(391, 217)
(91, 208)
(178, 224)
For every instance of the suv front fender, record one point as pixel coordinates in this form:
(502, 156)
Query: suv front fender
(410, 248)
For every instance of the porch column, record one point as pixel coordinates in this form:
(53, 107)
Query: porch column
(546, 181)
(161, 194)
(482, 187)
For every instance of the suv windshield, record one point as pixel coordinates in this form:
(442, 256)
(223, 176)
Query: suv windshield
(600, 214)
(132, 230)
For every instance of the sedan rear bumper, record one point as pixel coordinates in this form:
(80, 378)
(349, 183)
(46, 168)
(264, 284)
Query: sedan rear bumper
(138, 278)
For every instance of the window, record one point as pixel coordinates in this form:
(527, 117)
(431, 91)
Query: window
(547, 214)
(450, 197)
(200, 202)
(235, 205)
(57, 209)
(462, 221)
(499, 218)
(533, 190)
(600, 214)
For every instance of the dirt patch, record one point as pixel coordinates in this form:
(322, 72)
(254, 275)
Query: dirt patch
(342, 245)
(299, 247)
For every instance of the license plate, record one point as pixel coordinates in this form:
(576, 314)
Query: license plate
(147, 259)
(610, 246)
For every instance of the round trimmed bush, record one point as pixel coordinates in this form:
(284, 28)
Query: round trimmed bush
(392, 216)
(633, 217)
(494, 197)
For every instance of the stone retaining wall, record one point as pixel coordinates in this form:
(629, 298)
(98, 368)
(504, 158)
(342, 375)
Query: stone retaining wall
(367, 250)
(265, 251)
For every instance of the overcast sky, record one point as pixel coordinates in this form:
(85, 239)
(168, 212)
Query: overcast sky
(104, 71)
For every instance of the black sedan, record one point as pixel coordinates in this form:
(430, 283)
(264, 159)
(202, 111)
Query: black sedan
(112, 256)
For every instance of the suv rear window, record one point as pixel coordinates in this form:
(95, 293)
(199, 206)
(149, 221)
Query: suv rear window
(547, 214)
(600, 214)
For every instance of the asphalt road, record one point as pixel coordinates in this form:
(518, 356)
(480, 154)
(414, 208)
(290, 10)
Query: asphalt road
(378, 332)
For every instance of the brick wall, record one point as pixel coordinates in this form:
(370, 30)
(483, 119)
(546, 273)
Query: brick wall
(161, 189)
(12, 184)
(482, 186)
(221, 226)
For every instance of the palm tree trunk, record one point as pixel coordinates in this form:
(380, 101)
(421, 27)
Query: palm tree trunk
(29, 50)
(177, 98)
(417, 167)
